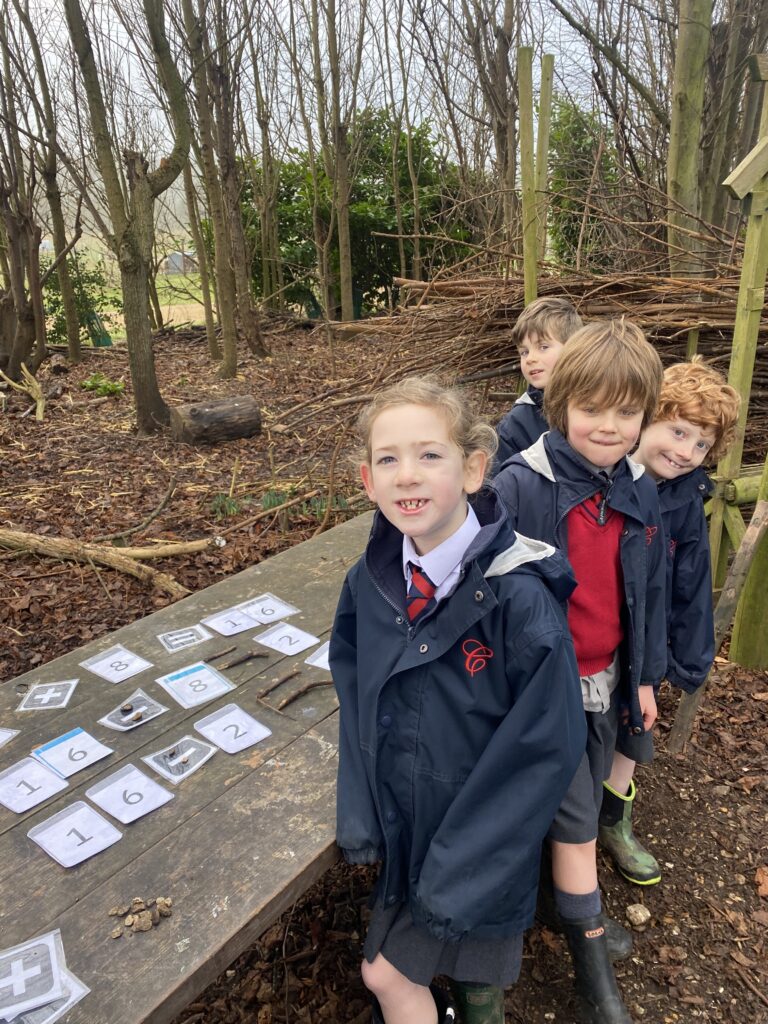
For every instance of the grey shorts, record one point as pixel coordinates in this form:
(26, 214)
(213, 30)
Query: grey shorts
(421, 957)
(577, 817)
(636, 748)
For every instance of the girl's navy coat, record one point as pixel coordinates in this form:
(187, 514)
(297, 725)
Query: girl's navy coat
(459, 736)
(541, 485)
(522, 426)
(691, 634)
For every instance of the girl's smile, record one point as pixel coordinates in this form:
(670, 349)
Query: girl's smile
(418, 475)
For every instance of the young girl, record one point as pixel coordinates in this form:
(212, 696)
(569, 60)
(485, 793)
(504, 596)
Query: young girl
(460, 710)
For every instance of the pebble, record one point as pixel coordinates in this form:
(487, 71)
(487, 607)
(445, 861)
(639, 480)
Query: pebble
(142, 922)
(638, 915)
(116, 932)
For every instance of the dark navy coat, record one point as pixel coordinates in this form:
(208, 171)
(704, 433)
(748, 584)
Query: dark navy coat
(522, 425)
(541, 485)
(458, 737)
(690, 624)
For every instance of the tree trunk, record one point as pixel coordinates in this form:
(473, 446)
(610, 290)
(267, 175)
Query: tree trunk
(685, 134)
(343, 188)
(225, 280)
(66, 288)
(202, 263)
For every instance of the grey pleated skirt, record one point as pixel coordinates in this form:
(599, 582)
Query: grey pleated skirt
(421, 957)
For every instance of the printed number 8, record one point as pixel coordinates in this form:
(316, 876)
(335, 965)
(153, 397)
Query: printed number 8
(118, 666)
(197, 685)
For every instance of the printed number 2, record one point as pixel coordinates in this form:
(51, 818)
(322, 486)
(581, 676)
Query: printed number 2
(237, 733)
(287, 639)
(83, 839)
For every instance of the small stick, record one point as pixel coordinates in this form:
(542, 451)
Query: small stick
(243, 658)
(304, 689)
(279, 682)
(277, 712)
(220, 654)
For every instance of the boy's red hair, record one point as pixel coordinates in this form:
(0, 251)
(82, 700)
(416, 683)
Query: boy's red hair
(699, 393)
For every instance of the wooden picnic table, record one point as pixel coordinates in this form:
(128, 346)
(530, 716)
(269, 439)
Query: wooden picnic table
(245, 835)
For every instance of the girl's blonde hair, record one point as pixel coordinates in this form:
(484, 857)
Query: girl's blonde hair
(610, 361)
(465, 428)
(698, 393)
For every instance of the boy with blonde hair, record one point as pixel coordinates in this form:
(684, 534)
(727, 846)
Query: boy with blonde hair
(541, 330)
(694, 426)
(576, 489)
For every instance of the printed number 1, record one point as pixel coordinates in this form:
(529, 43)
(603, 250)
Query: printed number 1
(83, 839)
(30, 788)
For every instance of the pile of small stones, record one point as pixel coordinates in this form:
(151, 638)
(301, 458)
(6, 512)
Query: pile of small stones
(141, 915)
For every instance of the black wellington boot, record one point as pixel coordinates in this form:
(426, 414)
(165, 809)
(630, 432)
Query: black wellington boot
(446, 1012)
(600, 1001)
(618, 938)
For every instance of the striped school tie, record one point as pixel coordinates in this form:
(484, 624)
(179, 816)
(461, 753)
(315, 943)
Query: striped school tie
(421, 593)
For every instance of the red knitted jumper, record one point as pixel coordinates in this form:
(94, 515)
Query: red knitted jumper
(594, 609)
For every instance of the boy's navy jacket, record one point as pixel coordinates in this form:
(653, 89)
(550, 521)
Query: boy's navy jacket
(691, 631)
(459, 736)
(541, 485)
(521, 427)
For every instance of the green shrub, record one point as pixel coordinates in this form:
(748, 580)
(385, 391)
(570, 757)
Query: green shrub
(103, 385)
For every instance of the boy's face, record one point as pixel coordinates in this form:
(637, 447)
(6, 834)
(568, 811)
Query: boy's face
(418, 475)
(538, 355)
(671, 448)
(603, 434)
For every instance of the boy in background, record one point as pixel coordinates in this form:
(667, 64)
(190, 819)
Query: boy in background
(542, 329)
(575, 488)
(694, 425)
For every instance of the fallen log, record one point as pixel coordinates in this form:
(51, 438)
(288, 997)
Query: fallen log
(65, 549)
(219, 420)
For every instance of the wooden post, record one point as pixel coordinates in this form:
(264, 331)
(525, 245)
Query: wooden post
(749, 640)
(746, 566)
(749, 183)
(692, 343)
(527, 170)
(542, 149)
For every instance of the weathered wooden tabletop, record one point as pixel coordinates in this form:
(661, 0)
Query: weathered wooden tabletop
(246, 833)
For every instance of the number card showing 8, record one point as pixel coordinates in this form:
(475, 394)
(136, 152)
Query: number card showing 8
(195, 684)
(128, 794)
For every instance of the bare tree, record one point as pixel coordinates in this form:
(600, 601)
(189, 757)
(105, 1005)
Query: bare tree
(130, 200)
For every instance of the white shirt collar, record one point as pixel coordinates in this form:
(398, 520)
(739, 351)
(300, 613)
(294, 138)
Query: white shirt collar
(446, 557)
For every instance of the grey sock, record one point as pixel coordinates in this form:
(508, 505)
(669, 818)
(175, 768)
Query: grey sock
(573, 907)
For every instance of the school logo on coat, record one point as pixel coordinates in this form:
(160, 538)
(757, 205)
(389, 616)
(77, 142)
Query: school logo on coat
(672, 547)
(477, 656)
(650, 533)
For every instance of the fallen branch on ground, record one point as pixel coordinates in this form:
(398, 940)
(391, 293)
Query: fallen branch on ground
(65, 549)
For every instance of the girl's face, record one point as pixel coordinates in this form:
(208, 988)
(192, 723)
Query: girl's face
(671, 448)
(603, 434)
(418, 475)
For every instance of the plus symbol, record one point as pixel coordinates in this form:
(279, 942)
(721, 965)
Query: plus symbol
(19, 975)
(46, 696)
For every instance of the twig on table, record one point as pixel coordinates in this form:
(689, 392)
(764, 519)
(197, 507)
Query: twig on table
(243, 658)
(220, 654)
(278, 682)
(302, 691)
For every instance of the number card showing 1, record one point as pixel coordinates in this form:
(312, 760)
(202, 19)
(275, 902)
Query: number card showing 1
(195, 684)
(71, 752)
(286, 638)
(128, 794)
(27, 784)
(74, 834)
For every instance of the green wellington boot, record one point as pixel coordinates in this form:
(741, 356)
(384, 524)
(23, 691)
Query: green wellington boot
(615, 836)
(478, 1004)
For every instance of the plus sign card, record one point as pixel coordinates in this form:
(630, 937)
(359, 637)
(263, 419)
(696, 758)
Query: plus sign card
(30, 974)
(43, 696)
